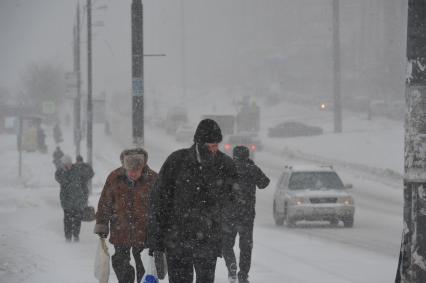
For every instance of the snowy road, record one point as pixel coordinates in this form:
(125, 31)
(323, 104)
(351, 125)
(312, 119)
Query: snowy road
(378, 215)
(372, 244)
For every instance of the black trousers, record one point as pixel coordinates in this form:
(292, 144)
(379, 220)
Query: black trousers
(121, 264)
(72, 223)
(181, 268)
(245, 231)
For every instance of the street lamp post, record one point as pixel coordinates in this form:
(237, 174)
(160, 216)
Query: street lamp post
(89, 138)
(336, 69)
(77, 105)
(137, 73)
(183, 68)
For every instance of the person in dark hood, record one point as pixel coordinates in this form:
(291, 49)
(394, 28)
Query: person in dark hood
(186, 205)
(57, 155)
(85, 170)
(123, 212)
(57, 134)
(239, 214)
(73, 195)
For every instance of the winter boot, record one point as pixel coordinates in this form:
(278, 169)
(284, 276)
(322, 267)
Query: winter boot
(242, 278)
(232, 274)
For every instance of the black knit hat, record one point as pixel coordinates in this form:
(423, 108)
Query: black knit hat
(241, 152)
(208, 131)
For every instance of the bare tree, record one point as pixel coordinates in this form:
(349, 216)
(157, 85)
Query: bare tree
(42, 83)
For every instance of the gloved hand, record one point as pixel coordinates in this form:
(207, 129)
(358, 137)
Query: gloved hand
(151, 252)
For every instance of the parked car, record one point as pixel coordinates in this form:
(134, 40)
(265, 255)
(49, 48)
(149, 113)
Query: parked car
(312, 193)
(185, 133)
(294, 129)
(250, 140)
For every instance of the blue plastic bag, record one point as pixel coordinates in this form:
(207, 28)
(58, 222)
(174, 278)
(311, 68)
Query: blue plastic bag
(150, 279)
(151, 276)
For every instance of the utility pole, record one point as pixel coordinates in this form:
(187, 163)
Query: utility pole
(336, 68)
(412, 259)
(20, 133)
(89, 138)
(77, 101)
(183, 74)
(137, 73)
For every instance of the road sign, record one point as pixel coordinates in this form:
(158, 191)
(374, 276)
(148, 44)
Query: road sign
(137, 86)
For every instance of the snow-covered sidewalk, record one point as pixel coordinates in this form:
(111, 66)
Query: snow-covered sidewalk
(31, 230)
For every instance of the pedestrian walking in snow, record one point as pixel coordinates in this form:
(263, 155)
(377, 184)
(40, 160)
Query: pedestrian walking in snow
(57, 155)
(57, 134)
(85, 172)
(123, 212)
(41, 139)
(73, 195)
(186, 204)
(239, 214)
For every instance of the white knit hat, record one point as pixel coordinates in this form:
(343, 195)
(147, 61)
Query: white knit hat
(66, 160)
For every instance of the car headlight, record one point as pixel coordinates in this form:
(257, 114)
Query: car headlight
(297, 200)
(348, 200)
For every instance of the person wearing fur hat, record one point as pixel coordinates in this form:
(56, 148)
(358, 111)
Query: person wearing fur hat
(123, 212)
(73, 195)
(239, 214)
(186, 205)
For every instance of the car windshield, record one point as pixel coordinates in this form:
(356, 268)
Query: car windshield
(239, 140)
(315, 181)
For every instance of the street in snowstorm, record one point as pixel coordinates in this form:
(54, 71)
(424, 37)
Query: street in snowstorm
(139, 139)
(31, 214)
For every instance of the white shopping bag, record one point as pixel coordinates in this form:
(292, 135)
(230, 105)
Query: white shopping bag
(102, 262)
(151, 275)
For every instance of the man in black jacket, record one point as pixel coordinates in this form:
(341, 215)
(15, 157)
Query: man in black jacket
(239, 213)
(186, 206)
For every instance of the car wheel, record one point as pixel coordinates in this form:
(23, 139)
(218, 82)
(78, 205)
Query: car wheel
(279, 221)
(334, 222)
(289, 222)
(348, 222)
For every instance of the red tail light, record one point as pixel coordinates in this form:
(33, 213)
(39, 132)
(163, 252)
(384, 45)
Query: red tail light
(228, 146)
(253, 147)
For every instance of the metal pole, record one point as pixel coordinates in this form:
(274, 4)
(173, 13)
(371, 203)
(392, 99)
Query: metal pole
(75, 74)
(89, 83)
(78, 99)
(182, 7)
(412, 260)
(137, 73)
(336, 69)
(20, 140)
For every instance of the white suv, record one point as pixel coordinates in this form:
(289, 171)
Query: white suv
(312, 193)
